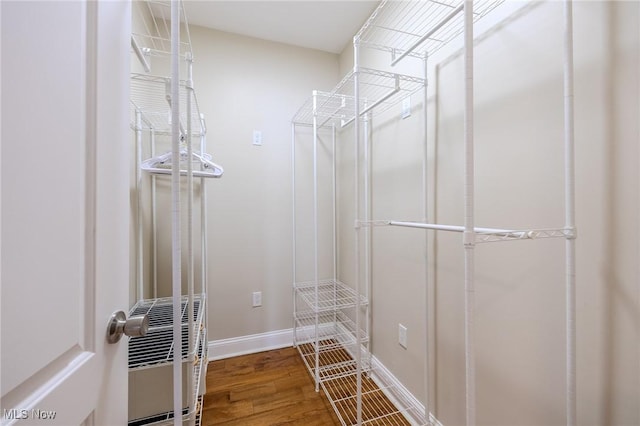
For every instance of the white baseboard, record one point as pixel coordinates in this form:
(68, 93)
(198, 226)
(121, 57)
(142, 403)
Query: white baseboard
(399, 394)
(253, 343)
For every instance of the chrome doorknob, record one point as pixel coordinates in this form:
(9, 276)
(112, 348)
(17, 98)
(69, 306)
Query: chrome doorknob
(135, 326)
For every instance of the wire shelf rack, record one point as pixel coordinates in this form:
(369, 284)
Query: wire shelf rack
(334, 362)
(150, 96)
(379, 91)
(377, 407)
(166, 419)
(331, 295)
(334, 330)
(154, 38)
(198, 372)
(417, 28)
(156, 347)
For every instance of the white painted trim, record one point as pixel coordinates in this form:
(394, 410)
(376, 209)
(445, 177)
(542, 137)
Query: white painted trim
(253, 343)
(399, 394)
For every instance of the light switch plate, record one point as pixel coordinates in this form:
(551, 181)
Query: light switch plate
(257, 137)
(406, 107)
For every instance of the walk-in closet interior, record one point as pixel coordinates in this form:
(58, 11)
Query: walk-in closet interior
(404, 210)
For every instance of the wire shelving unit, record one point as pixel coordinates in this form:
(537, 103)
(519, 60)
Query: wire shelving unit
(407, 29)
(418, 29)
(151, 359)
(164, 107)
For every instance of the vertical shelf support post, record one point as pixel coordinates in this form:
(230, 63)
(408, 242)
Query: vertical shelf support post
(569, 217)
(469, 233)
(175, 225)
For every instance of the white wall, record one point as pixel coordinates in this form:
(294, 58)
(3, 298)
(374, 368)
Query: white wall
(520, 285)
(246, 84)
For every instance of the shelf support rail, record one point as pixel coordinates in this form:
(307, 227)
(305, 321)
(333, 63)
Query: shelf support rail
(343, 104)
(442, 23)
(395, 90)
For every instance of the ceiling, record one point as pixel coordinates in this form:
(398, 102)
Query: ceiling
(323, 25)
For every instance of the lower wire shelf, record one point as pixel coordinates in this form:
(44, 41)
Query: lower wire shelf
(151, 361)
(381, 404)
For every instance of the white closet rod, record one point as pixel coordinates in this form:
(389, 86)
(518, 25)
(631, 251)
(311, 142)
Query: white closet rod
(458, 228)
(141, 57)
(175, 224)
(569, 181)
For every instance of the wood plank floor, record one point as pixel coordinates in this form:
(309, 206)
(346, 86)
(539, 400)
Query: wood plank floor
(267, 388)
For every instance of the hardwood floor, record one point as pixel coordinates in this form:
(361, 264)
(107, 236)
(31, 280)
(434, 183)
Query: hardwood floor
(267, 388)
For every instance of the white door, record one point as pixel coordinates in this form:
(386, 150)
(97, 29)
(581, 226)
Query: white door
(65, 207)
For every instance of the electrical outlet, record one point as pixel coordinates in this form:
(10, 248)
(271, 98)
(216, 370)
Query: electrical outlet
(257, 137)
(406, 107)
(402, 335)
(257, 299)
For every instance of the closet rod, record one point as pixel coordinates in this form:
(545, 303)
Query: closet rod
(395, 90)
(458, 228)
(140, 55)
(375, 104)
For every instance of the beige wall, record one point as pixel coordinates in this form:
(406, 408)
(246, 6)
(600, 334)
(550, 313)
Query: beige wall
(519, 166)
(246, 84)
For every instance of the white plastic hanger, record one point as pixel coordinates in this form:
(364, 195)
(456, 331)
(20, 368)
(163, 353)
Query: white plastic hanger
(162, 164)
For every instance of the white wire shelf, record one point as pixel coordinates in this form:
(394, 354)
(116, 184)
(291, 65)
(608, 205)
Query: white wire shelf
(154, 39)
(331, 295)
(377, 408)
(335, 330)
(417, 28)
(166, 419)
(188, 413)
(329, 109)
(379, 91)
(333, 362)
(149, 96)
(156, 347)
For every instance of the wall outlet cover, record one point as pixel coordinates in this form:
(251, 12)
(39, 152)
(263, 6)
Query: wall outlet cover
(402, 335)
